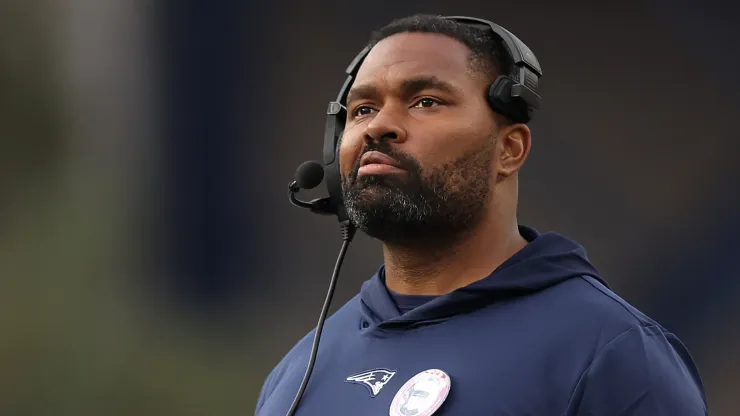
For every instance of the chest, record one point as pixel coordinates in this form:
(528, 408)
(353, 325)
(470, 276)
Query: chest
(492, 374)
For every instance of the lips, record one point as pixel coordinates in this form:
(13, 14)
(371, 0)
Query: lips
(377, 158)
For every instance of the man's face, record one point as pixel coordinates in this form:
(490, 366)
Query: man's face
(416, 101)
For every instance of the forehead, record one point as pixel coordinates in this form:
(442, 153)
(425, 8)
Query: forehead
(402, 55)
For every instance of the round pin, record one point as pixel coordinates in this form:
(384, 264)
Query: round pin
(422, 395)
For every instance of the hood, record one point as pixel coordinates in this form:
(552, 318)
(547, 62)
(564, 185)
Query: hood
(547, 260)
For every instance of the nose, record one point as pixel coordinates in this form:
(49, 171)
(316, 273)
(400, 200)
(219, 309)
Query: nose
(385, 127)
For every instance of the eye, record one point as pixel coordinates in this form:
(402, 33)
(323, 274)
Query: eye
(426, 103)
(362, 110)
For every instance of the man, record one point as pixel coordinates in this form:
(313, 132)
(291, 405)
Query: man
(471, 313)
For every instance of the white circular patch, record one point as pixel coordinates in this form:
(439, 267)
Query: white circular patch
(422, 395)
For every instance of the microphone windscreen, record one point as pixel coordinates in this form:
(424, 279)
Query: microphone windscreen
(309, 174)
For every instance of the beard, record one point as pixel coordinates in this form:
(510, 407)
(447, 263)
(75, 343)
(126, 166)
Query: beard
(420, 208)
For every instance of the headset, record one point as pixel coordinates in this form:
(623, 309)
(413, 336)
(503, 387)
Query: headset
(513, 95)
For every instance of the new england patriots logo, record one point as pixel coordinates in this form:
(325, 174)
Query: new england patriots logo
(374, 380)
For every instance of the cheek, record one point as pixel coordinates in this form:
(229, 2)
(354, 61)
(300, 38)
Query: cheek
(349, 151)
(445, 144)
(446, 153)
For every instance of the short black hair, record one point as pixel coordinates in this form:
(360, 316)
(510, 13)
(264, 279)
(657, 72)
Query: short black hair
(487, 54)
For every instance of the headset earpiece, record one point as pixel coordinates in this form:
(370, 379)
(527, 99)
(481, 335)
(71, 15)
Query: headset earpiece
(501, 100)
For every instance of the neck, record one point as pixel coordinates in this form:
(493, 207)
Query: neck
(425, 271)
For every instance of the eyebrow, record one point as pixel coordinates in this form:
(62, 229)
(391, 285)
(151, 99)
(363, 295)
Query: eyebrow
(408, 87)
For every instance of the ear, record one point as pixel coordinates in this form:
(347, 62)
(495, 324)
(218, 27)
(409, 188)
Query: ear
(514, 144)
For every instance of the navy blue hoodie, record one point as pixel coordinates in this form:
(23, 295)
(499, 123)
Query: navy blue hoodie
(542, 335)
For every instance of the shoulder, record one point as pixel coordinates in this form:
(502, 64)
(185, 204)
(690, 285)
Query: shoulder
(584, 316)
(596, 307)
(296, 359)
(628, 348)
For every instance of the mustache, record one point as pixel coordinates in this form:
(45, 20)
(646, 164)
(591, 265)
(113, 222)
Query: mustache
(404, 160)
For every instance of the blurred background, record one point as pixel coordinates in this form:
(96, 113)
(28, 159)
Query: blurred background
(150, 263)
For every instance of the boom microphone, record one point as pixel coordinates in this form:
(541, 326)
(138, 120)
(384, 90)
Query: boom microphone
(308, 176)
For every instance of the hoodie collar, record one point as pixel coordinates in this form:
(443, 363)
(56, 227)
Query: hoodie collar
(547, 260)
